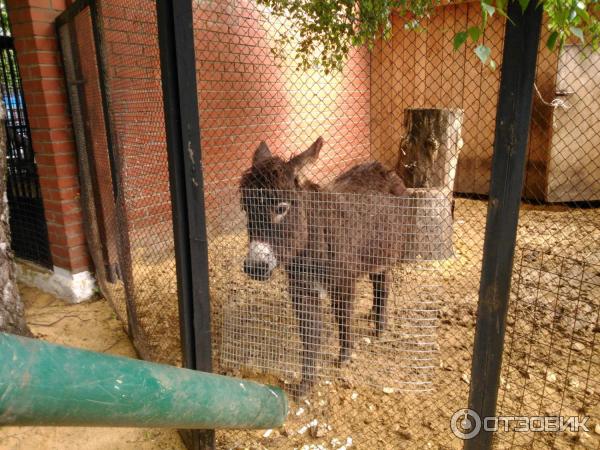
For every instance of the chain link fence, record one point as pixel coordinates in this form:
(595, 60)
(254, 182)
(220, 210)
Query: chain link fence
(247, 95)
(371, 310)
(111, 55)
(551, 359)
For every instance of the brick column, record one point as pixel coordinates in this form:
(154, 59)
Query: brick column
(43, 82)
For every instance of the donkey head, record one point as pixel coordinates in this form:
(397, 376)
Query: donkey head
(271, 196)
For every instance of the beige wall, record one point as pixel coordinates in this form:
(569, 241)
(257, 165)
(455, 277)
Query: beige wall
(421, 69)
(574, 165)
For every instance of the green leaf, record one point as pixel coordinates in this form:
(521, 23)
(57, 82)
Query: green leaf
(474, 33)
(551, 42)
(459, 39)
(489, 9)
(524, 4)
(583, 15)
(483, 52)
(493, 64)
(387, 33)
(578, 32)
(501, 6)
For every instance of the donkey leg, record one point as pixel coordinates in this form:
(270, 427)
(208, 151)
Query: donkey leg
(342, 301)
(380, 294)
(306, 305)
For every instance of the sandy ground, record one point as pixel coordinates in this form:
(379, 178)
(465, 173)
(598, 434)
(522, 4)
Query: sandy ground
(91, 326)
(551, 356)
(552, 363)
(255, 337)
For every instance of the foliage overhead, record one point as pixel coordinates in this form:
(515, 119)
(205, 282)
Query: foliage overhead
(326, 30)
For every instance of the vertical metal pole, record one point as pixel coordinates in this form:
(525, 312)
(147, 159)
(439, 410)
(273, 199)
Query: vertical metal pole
(513, 118)
(76, 94)
(182, 123)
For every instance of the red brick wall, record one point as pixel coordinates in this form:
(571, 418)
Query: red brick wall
(247, 95)
(97, 147)
(130, 33)
(45, 95)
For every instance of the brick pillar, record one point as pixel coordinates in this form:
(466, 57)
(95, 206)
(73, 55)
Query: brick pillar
(42, 76)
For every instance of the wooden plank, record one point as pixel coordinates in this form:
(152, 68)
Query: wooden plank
(473, 171)
(376, 101)
(407, 63)
(399, 89)
(540, 135)
(486, 115)
(387, 124)
(435, 60)
(457, 58)
(448, 58)
(574, 168)
(420, 67)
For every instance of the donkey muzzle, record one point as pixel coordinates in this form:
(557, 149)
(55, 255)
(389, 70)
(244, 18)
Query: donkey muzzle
(257, 270)
(260, 262)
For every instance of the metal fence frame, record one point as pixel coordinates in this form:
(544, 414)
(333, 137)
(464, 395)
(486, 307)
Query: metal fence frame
(521, 43)
(178, 62)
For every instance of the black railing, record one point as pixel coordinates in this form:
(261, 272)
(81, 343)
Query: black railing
(27, 220)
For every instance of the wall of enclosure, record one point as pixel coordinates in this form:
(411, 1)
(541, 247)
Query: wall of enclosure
(131, 60)
(424, 70)
(246, 95)
(402, 385)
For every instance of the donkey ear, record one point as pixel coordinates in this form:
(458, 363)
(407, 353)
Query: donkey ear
(308, 157)
(261, 154)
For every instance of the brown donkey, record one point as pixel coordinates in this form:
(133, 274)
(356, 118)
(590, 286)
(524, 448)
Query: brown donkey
(325, 238)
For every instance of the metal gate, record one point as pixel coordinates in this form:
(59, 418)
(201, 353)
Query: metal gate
(27, 220)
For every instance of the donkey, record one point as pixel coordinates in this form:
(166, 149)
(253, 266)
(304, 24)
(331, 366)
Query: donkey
(324, 239)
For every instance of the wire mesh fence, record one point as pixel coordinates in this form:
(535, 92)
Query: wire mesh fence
(345, 247)
(131, 58)
(551, 360)
(347, 237)
(552, 363)
(111, 49)
(247, 95)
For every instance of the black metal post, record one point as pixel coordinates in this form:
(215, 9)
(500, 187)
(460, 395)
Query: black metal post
(85, 152)
(508, 169)
(178, 67)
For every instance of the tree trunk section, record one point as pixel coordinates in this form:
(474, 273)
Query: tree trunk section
(427, 163)
(12, 312)
(429, 150)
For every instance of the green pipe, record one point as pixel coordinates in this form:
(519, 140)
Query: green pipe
(46, 384)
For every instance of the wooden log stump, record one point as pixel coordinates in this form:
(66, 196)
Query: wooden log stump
(427, 163)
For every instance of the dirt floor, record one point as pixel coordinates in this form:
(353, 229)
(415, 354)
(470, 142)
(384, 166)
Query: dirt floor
(367, 404)
(552, 360)
(91, 326)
